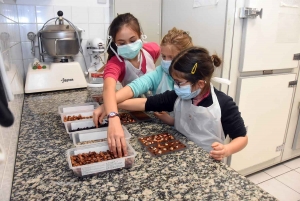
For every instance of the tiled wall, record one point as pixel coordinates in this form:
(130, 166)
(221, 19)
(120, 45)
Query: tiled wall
(12, 54)
(93, 20)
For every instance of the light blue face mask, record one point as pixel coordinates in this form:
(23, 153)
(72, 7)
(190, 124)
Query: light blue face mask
(184, 92)
(165, 65)
(131, 50)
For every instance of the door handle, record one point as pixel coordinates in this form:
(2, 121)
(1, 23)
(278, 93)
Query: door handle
(246, 12)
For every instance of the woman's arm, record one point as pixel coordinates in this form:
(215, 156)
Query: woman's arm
(115, 133)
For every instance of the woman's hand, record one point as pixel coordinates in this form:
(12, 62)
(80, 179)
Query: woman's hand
(219, 151)
(98, 115)
(115, 137)
(165, 117)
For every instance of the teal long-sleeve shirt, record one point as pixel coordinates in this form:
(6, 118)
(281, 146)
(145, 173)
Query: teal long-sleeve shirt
(156, 81)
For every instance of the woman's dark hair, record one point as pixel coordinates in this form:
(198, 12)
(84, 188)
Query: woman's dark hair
(195, 64)
(121, 20)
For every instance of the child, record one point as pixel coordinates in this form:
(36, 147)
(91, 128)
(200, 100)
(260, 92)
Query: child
(128, 59)
(157, 81)
(202, 113)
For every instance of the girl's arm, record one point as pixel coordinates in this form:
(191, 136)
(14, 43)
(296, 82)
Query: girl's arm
(115, 133)
(136, 104)
(221, 151)
(149, 81)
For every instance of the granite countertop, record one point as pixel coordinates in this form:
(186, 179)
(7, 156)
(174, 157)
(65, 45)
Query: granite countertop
(42, 171)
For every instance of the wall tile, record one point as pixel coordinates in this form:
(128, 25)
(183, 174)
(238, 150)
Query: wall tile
(44, 13)
(96, 31)
(80, 15)
(96, 15)
(16, 51)
(26, 14)
(18, 64)
(25, 28)
(12, 30)
(9, 11)
(26, 63)
(26, 50)
(85, 32)
(81, 62)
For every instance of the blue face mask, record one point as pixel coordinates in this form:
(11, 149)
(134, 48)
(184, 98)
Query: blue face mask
(184, 92)
(165, 65)
(131, 50)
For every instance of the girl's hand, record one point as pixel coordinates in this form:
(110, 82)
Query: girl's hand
(219, 151)
(98, 115)
(164, 117)
(115, 138)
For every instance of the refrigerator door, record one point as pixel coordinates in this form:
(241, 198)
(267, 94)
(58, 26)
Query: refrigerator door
(269, 42)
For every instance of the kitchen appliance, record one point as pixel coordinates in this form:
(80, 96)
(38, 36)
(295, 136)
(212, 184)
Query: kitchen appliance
(56, 69)
(95, 48)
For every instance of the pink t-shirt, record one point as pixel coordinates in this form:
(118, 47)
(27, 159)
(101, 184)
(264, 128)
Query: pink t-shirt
(116, 69)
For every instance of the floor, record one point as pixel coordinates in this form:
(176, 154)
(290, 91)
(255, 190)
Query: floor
(282, 181)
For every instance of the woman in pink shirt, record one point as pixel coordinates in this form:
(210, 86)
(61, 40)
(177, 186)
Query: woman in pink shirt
(129, 58)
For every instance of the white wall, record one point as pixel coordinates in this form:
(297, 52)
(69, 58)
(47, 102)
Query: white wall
(205, 24)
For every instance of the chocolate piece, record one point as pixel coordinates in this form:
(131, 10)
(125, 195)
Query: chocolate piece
(91, 157)
(166, 148)
(126, 118)
(74, 118)
(163, 137)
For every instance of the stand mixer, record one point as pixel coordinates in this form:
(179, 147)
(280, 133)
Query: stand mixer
(59, 43)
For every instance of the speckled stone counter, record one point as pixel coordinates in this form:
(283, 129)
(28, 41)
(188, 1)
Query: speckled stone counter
(42, 171)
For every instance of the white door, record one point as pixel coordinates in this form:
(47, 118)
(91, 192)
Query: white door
(264, 101)
(148, 14)
(271, 42)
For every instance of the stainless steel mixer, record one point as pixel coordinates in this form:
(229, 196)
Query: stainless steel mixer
(59, 41)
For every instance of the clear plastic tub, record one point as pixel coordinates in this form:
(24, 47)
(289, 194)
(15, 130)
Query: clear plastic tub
(72, 126)
(77, 107)
(99, 134)
(99, 167)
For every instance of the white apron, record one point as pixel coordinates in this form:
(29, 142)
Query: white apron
(200, 124)
(163, 85)
(131, 73)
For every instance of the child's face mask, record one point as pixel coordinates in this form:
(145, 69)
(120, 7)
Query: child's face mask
(184, 92)
(131, 50)
(165, 65)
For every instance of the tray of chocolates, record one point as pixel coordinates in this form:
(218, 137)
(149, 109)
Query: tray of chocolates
(141, 116)
(161, 144)
(127, 118)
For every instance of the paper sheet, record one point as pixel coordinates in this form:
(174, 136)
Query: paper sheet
(288, 30)
(290, 3)
(200, 3)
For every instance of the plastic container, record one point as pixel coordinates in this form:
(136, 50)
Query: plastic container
(73, 125)
(96, 78)
(77, 107)
(99, 167)
(95, 134)
(83, 114)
